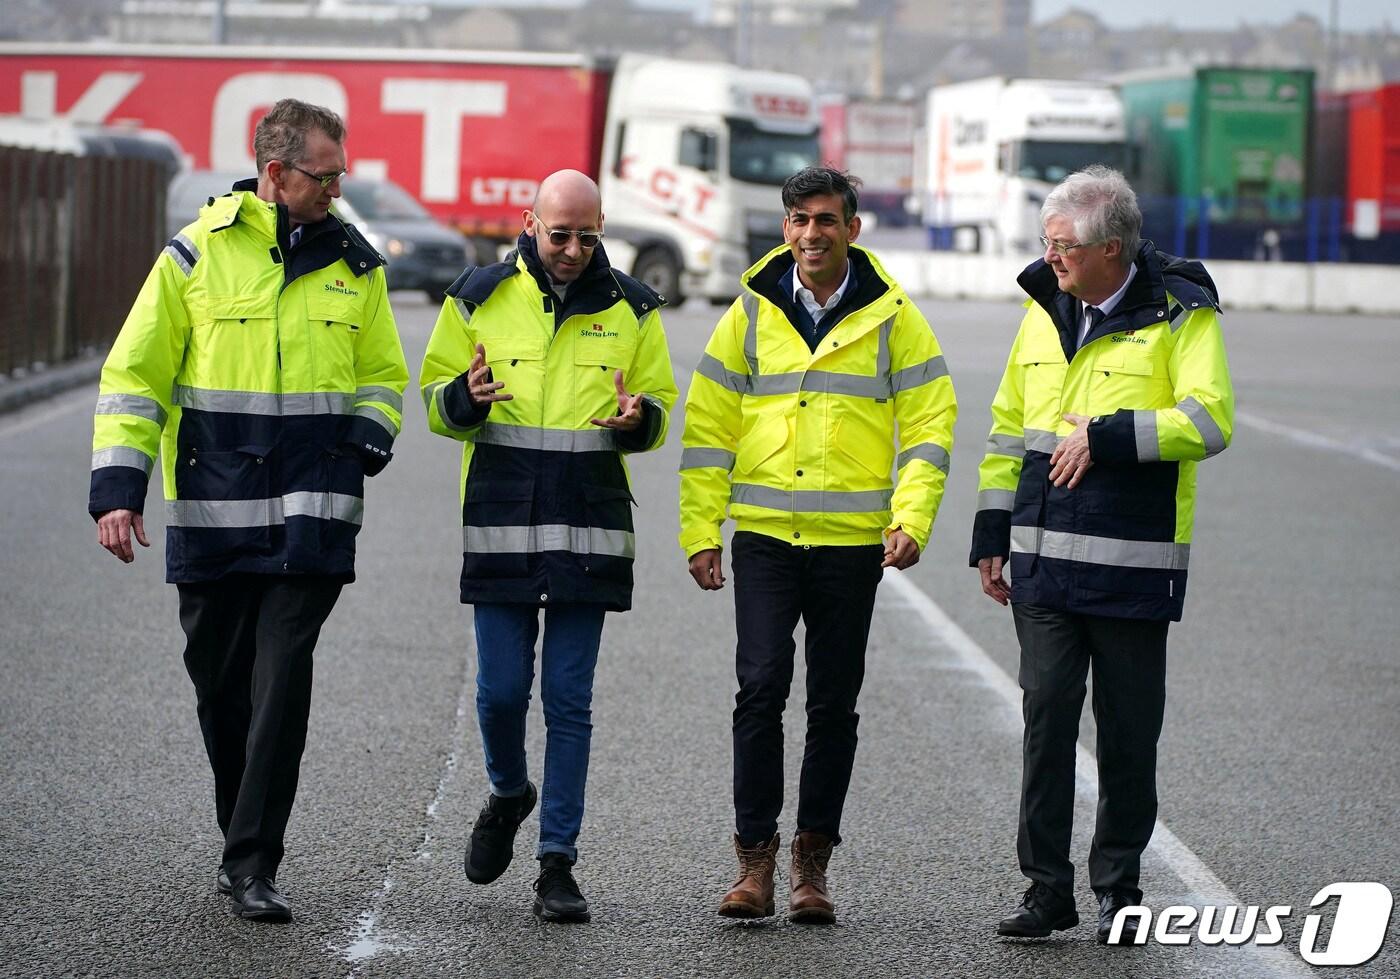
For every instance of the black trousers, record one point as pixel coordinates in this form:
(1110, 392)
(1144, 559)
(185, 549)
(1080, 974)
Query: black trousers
(832, 590)
(248, 651)
(1129, 661)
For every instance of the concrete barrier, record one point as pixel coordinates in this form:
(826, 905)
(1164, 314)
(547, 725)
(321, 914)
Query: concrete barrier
(1287, 286)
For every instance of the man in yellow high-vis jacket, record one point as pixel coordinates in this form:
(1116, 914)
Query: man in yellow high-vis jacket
(261, 363)
(791, 430)
(549, 367)
(1116, 387)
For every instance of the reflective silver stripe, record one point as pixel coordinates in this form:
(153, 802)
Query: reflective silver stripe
(811, 501)
(911, 377)
(996, 500)
(1110, 551)
(376, 414)
(750, 304)
(189, 246)
(1006, 445)
(131, 404)
(1178, 318)
(715, 370)
(264, 513)
(547, 439)
(548, 537)
(1211, 434)
(464, 307)
(327, 506)
(855, 385)
(1145, 436)
(263, 403)
(429, 391)
(122, 455)
(438, 393)
(1041, 441)
(927, 451)
(761, 385)
(702, 458)
(375, 392)
(186, 264)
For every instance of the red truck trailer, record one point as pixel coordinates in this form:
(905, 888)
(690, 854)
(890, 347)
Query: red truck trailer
(469, 135)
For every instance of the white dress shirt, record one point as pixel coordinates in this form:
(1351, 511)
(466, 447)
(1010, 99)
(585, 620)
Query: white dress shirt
(1106, 307)
(802, 294)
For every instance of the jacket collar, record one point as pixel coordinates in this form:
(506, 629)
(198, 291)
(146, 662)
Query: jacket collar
(321, 243)
(872, 284)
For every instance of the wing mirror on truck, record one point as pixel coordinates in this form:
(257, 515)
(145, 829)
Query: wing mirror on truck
(699, 149)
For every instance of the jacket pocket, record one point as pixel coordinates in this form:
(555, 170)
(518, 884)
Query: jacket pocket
(236, 486)
(764, 440)
(864, 443)
(610, 532)
(496, 527)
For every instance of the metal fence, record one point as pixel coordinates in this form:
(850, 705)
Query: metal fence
(77, 238)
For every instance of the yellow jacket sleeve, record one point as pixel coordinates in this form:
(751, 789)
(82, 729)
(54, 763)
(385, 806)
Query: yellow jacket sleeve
(381, 374)
(651, 374)
(713, 418)
(443, 377)
(134, 393)
(925, 408)
(1000, 470)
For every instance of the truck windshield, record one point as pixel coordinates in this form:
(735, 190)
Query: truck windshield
(381, 200)
(760, 157)
(1053, 162)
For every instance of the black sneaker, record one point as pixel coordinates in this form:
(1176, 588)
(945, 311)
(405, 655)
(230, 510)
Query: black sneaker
(557, 897)
(493, 836)
(1042, 911)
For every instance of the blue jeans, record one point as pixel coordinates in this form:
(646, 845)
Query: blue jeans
(505, 672)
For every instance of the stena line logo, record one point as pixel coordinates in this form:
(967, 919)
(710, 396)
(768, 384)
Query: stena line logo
(1358, 928)
(597, 330)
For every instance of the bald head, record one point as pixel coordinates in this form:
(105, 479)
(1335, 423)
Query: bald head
(567, 200)
(568, 189)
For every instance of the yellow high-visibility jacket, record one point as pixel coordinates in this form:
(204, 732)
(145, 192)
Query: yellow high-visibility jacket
(268, 380)
(805, 447)
(546, 497)
(1154, 379)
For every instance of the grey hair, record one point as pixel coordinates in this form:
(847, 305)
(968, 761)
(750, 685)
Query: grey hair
(281, 134)
(1101, 206)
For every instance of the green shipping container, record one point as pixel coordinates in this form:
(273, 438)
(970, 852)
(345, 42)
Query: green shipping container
(1237, 137)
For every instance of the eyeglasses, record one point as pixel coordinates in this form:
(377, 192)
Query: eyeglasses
(1061, 248)
(558, 237)
(324, 179)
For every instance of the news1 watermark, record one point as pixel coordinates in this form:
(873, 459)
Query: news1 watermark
(1358, 925)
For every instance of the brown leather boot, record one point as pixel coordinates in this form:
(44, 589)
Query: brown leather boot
(810, 902)
(751, 895)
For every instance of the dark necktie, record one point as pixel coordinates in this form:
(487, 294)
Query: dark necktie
(1095, 318)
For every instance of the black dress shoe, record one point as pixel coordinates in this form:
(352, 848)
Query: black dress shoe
(493, 837)
(222, 882)
(1042, 911)
(557, 897)
(257, 899)
(1110, 903)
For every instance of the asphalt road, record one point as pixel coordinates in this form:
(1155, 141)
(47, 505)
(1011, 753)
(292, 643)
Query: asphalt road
(1279, 765)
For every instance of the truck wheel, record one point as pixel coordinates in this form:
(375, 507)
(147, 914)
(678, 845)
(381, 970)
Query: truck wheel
(656, 268)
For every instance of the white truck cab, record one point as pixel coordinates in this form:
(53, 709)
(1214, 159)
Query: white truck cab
(694, 154)
(997, 146)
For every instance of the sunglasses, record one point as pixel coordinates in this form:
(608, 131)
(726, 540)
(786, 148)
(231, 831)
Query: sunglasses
(324, 179)
(558, 237)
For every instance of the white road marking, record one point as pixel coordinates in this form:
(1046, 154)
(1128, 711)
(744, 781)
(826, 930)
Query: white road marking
(1207, 888)
(1316, 440)
(365, 939)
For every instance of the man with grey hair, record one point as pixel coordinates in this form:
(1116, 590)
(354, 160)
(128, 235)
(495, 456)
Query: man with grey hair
(261, 364)
(1116, 387)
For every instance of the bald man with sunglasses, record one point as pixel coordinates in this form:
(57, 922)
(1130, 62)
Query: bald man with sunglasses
(550, 367)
